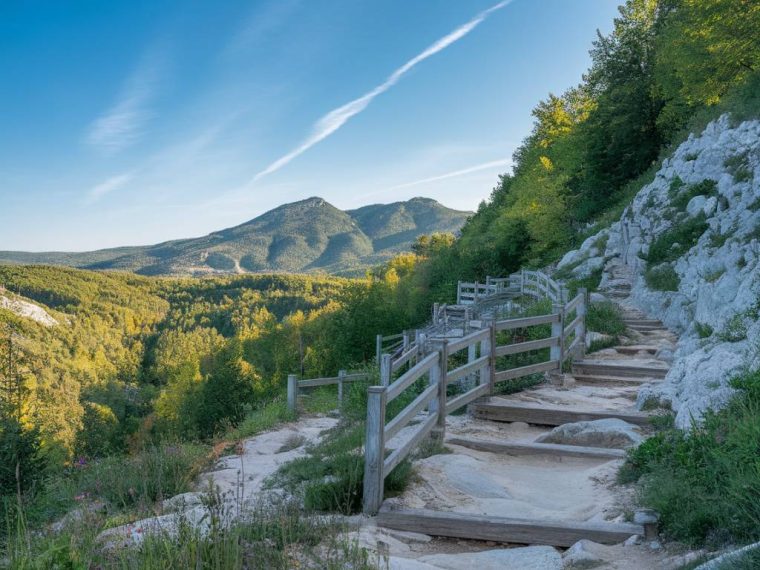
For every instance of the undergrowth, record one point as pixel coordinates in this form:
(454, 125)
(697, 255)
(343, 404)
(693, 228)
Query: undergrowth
(706, 483)
(606, 318)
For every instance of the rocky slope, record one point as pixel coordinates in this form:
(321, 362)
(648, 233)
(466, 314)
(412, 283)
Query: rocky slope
(310, 235)
(691, 243)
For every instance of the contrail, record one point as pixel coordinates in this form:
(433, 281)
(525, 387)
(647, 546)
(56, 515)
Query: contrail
(338, 117)
(454, 174)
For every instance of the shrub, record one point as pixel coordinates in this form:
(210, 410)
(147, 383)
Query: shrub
(735, 329)
(605, 318)
(738, 166)
(662, 278)
(705, 188)
(705, 484)
(685, 235)
(703, 329)
(602, 343)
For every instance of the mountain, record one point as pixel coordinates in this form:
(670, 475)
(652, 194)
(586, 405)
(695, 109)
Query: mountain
(306, 236)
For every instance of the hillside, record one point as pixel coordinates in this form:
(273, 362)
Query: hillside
(305, 236)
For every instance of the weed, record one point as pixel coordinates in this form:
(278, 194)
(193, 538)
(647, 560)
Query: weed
(713, 276)
(679, 239)
(605, 318)
(703, 330)
(662, 278)
(735, 329)
(675, 187)
(718, 240)
(691, 156)
(705, 188)
(738, 166)
(705, 483)
(602, 343)
(755, 205)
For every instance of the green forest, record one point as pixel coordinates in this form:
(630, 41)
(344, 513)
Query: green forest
(137, 362)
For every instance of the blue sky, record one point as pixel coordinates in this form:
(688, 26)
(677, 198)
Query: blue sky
(133, 122)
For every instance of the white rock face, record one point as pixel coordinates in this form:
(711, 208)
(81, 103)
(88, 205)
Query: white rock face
(717, 304)
(526, 558)
(27, 310)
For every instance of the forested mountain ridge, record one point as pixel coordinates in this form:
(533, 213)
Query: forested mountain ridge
(305, 236)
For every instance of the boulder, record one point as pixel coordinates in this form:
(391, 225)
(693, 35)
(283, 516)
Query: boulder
(584, 554)
(526, 558)
(610, 433)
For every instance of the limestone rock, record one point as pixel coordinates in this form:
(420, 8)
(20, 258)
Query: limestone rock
(526, 558)
(610, 433)
(584, 554)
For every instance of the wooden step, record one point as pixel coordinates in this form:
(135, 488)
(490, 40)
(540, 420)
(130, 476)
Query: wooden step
(503, 529)
(512, 411)
(634, 349)
(604, 369)
(646, 328)
(607, 380)
(553, 449)
(643, 322)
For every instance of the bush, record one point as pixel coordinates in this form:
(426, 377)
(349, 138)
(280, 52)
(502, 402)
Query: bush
(705, 188)
(605, 318)
(706, 484)
(662, 278)
(675, 242)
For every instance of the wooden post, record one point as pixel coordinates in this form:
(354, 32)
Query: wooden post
(475, 299)
(378, 348)
(436, 309)
(292, 392)
(522, 281)
(438, 376)
(385, 369)
(341, 379)
(491, 361)
(374, 450)
(459, 292)
(405, 341)
(468, 382)
(580, 328)
(557, 351)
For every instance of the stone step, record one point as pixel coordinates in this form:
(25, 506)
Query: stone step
(642, 321)
(504, 529)
(542, 414)
(608, 380)
(647, 328)
(597, 368)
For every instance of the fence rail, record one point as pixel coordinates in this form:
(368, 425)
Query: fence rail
(295, 385)
(483, 353)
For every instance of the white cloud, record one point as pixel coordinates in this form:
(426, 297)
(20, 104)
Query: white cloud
(123, 124)
(106, 187)
(336, 118)
(456, 173)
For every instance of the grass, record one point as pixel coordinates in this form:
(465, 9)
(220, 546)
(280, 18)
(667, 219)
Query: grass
(703, 329)
(681, 198)
(738, 166)
(675, 242)
(705, 484)
(606, 318)
(735, 329)
(590, 283)
(261, 419)
(602, 343)
(662, 278)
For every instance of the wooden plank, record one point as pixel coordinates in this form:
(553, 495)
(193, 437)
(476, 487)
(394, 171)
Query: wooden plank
(570, 327)
(374, 450)
(467, 397)
(513, 373)
(412, 375)
(400, 453)
(403, 359)
(408, 413)
(512, 411)
(553, 449)
(572, 305)
(519, 347)
(356, 376)
(613, 380)
(466, 369)
(317, 382)
(464, 342)
(601, 368)
(523, 322)
(506, 530)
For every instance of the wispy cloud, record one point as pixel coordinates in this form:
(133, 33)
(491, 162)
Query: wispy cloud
(262, 22)
(106, 187)
(336, 118)
(122, 124)
(456, 173)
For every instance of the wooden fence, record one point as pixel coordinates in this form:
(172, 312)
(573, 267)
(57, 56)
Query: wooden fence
(484, 356)
(295, 385)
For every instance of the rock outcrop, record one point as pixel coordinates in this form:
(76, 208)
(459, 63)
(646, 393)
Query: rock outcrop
(691, 239)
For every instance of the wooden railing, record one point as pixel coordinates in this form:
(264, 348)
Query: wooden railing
(295, 385)
(483, 354)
